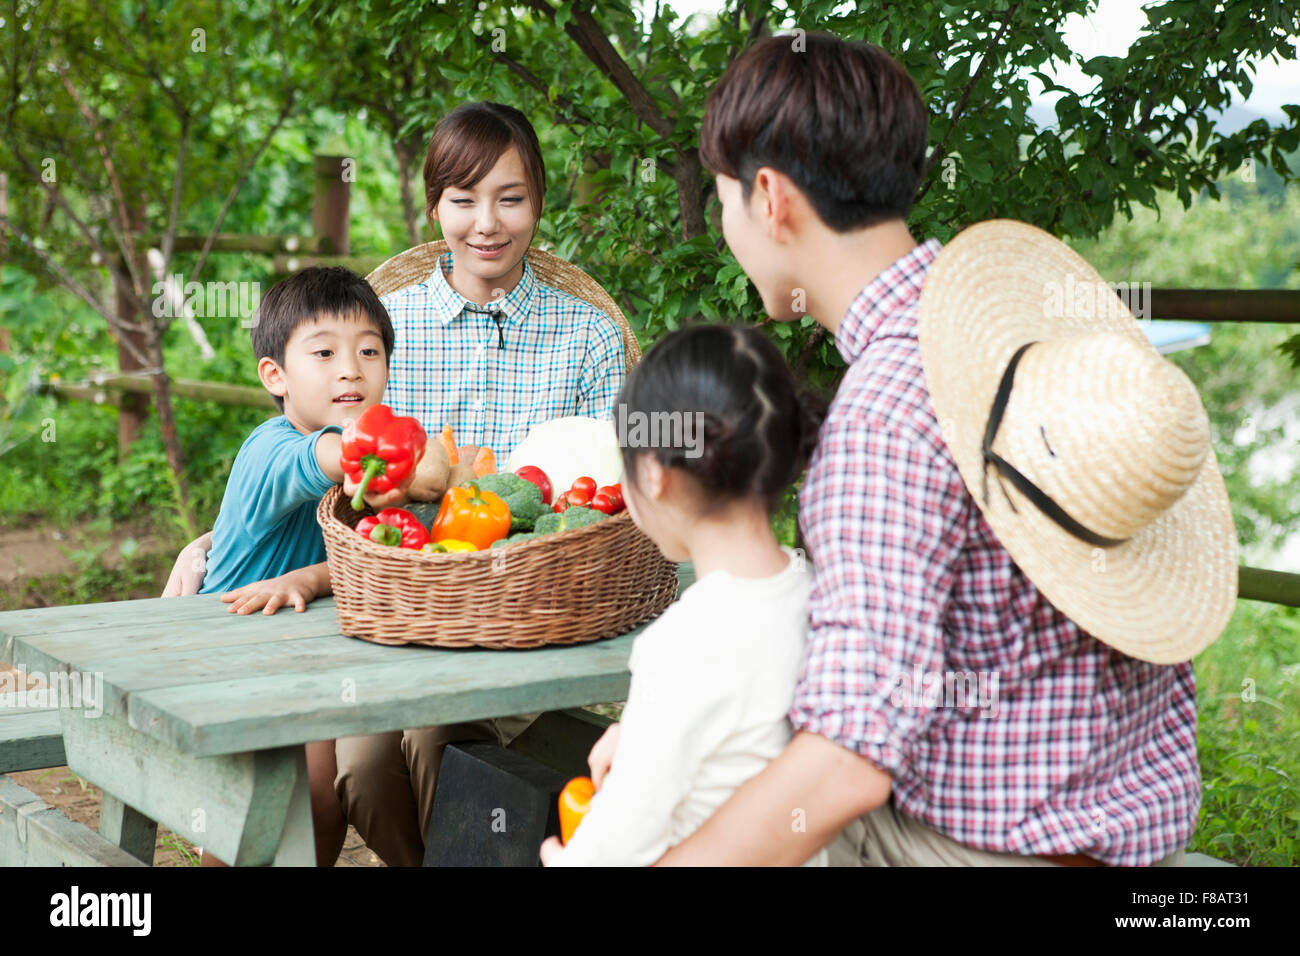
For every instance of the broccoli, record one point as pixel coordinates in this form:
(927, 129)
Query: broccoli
(522, 497)
(579, 517)
(567, 520)
(522, 536)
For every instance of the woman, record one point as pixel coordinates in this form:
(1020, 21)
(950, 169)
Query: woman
(484, 346)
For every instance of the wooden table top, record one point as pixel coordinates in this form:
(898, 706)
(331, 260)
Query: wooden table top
(188, 672)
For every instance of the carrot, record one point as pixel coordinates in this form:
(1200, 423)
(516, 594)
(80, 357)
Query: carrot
(449, 443)
(485, 463)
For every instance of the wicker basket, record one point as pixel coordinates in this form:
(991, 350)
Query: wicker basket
(566, 588)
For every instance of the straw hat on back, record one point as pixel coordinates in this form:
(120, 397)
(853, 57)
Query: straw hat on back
(1087, 452)
(417, 264)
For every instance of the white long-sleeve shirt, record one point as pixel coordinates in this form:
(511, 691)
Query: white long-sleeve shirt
(712, 681)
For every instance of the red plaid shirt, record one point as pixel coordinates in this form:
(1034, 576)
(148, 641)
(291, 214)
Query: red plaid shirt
(1072, 747)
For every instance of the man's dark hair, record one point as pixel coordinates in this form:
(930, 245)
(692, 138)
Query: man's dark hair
(842, 119)
(308, 295)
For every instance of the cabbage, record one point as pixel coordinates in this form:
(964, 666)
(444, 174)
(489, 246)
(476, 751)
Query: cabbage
(569, 448)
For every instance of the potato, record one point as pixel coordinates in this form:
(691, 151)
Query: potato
(461, 472)
(431, 474)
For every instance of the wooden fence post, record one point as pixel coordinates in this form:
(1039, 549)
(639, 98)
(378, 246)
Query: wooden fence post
(331, 200)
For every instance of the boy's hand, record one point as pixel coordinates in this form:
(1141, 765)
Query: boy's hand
(190, 567)
(298, 588)
(602, 754)
(379, 502)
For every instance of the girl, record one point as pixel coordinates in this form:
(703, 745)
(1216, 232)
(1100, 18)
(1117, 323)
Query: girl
(713, 677)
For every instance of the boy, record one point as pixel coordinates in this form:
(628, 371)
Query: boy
(322, 340)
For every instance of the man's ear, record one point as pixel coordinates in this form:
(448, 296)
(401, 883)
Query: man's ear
(773, 196)
(272, 377)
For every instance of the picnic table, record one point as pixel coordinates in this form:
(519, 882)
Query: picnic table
(205, 713)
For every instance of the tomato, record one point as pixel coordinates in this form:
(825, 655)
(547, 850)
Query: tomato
(575, 801)
(603, 503)
(585, 488)
(561, 503)
(614, 493)
(538, 477)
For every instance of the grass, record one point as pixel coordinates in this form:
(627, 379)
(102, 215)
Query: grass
(1248, 700)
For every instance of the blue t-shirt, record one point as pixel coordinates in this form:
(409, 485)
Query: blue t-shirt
(267, 525)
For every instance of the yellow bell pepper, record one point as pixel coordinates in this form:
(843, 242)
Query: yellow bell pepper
(448, 545)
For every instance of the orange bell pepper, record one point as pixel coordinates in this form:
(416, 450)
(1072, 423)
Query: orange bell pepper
(467, 514)
(575, 801)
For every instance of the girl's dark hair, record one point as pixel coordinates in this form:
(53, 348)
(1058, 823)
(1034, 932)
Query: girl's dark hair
(467, 143)
(759, 427)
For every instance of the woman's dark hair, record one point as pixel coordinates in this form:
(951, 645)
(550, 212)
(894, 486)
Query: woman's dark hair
(467, 143)
(841, 118)
(720, 403)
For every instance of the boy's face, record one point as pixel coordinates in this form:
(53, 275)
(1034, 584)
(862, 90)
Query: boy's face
(488, 226)
(747, 228)
(333, 369)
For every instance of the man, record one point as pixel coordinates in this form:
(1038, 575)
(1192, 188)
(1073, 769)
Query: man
(1084, 754)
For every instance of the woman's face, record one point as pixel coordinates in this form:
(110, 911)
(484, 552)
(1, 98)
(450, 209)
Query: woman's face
(488, 227)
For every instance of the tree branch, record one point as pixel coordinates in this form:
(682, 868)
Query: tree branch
(56, 197)
(123, 231)
(234, 190)
(965, 97)
(537, 83)
(77, 289)
(591, 39)
(173, 214)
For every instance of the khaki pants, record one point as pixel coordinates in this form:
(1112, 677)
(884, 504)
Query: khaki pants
(386, 782)
(888, 837)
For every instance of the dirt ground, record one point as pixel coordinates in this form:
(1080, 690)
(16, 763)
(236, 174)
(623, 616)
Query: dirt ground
(39, 551)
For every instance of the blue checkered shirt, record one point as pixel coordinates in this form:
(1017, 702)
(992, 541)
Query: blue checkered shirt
(550, 355)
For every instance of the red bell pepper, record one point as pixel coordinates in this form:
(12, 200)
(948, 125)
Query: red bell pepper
(380, 450)
(395, 526)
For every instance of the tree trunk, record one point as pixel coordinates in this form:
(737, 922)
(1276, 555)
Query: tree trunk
(407, 150)
(690, 194)
(162, 401)
(131, 416)
(4, 211)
